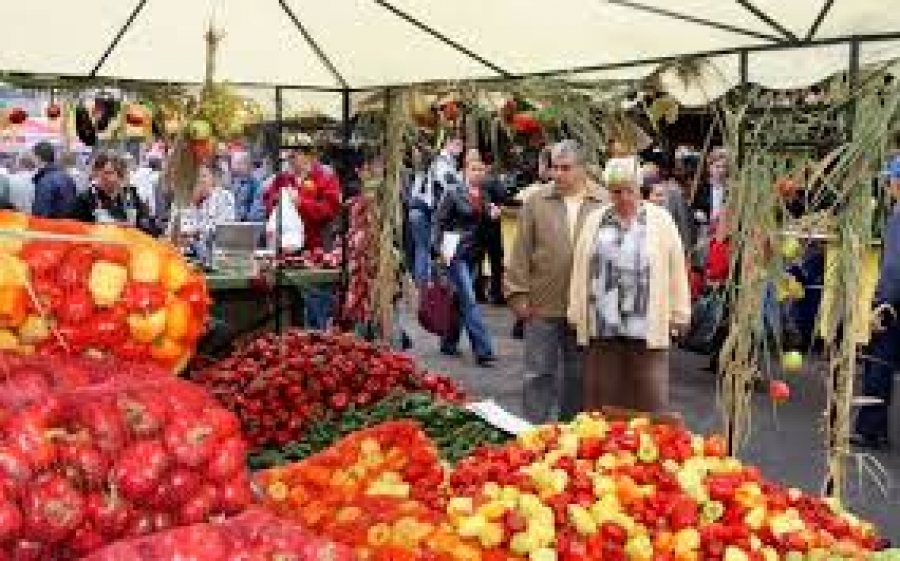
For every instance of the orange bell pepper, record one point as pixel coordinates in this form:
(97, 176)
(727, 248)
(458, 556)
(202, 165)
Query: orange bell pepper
(13, 306)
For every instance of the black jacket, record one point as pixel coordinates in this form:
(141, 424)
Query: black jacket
(87, 203)
(455, 213)
(54, 193)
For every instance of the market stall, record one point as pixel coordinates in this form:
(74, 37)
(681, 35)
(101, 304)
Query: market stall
(91, 459)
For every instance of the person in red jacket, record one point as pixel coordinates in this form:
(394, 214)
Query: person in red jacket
(314, 188)
(316, 191)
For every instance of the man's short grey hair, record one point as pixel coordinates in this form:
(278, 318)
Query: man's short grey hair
(569, 148)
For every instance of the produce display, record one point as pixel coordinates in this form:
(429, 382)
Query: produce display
(79, 289)
(280, 385)
(456, 431)
(82, 467)
(26, 379)
(254, 535)
(361, 257)
(598, 489)
(316, 258)
(595, 489)
(377, 490)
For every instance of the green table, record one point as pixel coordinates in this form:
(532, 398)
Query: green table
(240, 309)
(297, 278)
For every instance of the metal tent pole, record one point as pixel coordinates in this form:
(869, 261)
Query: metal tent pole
(346, 136)
(276, 160)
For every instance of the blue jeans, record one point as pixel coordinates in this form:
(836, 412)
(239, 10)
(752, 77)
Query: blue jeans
(460, 274)
(881, 360)
(318, 306)
(420, 229)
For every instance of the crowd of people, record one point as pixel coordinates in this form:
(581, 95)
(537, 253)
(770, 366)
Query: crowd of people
(604, 273)
(608, 267)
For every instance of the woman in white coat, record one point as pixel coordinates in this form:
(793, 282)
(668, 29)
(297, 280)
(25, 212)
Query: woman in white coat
(628, 296)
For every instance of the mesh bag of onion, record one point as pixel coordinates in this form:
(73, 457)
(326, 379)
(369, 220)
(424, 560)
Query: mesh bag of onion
(84, 466)
(250, 536)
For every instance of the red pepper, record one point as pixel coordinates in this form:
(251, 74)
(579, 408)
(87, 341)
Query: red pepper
(43, 257)
(196, 295)
(76, 307)
(75, 268)
(49, 296)
(143, 297)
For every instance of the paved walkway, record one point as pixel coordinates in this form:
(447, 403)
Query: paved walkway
(786, 442)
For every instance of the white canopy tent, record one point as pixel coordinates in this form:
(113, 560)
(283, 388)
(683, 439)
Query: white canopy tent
(313, 50)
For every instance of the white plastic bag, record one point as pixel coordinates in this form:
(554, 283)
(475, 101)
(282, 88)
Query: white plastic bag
(292, 233)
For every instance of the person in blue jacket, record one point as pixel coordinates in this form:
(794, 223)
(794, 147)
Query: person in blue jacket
(54, 189)
(882, 356)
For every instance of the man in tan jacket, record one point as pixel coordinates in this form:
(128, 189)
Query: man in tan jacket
(537, 284)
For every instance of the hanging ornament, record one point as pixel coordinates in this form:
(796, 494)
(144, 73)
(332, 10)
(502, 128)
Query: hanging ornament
(450, 111)
(17, 116)
(54, 111)
(84, 126)
(525, 123)
(135, 116)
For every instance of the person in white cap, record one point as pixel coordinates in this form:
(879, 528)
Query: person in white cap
(628, 295)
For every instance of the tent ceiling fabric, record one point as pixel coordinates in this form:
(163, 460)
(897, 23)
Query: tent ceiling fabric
(372, 43)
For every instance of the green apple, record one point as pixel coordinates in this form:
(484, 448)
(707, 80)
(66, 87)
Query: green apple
(792, 361)
(791, 249)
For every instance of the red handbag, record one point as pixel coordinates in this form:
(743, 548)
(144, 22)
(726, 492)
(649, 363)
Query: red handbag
(438, 310)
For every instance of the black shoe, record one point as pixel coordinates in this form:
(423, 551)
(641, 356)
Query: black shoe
(869, 442)
(486, 361)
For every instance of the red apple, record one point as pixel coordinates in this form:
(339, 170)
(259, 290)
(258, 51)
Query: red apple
(779, 391)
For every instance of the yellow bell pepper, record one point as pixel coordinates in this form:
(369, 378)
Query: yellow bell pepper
(106, 283)
(147, 328)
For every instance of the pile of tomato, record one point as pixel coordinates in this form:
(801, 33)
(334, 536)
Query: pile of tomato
(81, 467)
(279, 385)
(100, 290)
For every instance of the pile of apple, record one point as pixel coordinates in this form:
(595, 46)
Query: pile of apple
(602, 489)
(99, 290)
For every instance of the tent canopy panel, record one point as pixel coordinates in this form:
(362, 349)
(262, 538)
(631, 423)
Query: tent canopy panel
(373, 43)
(50, 37)
(260, 44)
(861, 17)
(528, 37)
(370, 46)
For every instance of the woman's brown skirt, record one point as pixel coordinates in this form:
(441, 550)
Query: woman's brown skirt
(625, 373)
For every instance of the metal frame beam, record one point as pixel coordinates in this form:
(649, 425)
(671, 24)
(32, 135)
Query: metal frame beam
(121, 33)
(823, 13)
(442, 38)
(693, 19)
(313, 44)
(555, 73)
(768, 20)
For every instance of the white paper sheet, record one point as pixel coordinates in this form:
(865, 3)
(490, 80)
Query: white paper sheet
(449, 245)
(491, 412)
